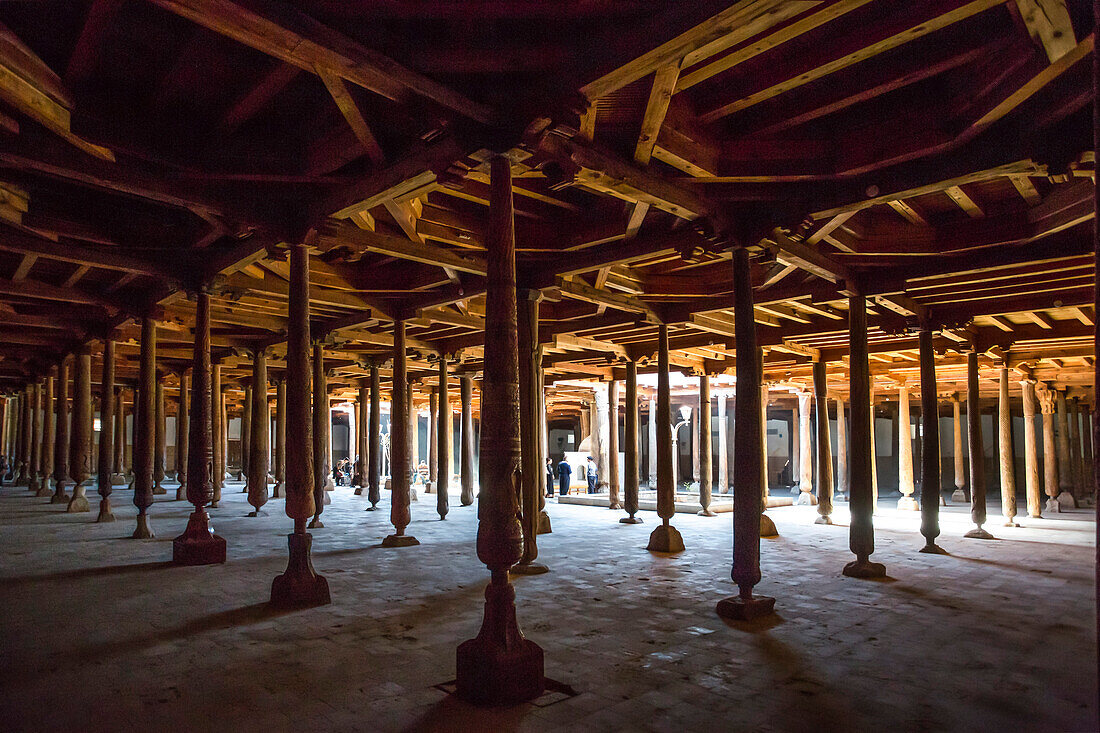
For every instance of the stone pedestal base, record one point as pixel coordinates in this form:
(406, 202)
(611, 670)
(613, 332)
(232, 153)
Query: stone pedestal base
(34, 484)
(327, 499)
(908, 503)
(44, 488)
(1052, 506)
(117, 479)
(706, 513)
(767, 527)
(358, 491)
(299, 586)
(277, 491)
(932, 549)
(631, 520)
(1066, 500)
(959, 495)
(316, 523)
(159, 490)
(530, 568)
(59, 496)
(105, 514)
(665, 538)
(864, 569)
(198, 545)
(181, 493)
(400, 540)
(737, 608)
(371, 508)
(805, 498)
(1012, 523)
(79, 502)
(544, 523)
(979, 534)
(257, 513)
(143, 531)
(823, 520)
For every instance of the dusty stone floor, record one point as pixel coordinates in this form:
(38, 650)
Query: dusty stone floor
(99, 632)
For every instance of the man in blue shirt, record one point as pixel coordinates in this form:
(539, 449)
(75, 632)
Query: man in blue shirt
(592, 476)
(564, 472)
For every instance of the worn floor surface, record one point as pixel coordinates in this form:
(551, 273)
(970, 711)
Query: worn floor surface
(99, 632)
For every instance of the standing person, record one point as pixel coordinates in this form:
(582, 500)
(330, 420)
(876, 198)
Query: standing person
(565, 471)
(549, 477)
(592, 476)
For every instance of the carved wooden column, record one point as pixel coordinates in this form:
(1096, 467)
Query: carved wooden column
(500, 666)
(1086, 449)
(665, 538)
(806, 458)
(61, 437)
(652, 443)
(25, 434)
(299, 585)
(767, 526)
(1005, 452)
(198, 545)
(433, 438)
(977, 452)
(1032, 486)
(842, 472)
(321, 421)
(600, 433)
(613, 479)
(399, 448)
(905, 453)
(957, 447)
(748, 469)
(246, 434)
(119, 448)
(1050, 461)
(630, 483)
(260, 436)
(862, 533)
(34, 391)
(159, 441)
(364, 449)
(278, 490)
(106, 418)
(723, 445)
(529, 383)
(49, 435)
(128, 445)
(80, 445)
(1074, 435)
(183, 437)
(930, 456)
(372, 437)
(824, 446)
(706, 471)
(413, 449)
(144, 428)
(467, 437)
(218, 447)
(445, 431)
(1062, 441)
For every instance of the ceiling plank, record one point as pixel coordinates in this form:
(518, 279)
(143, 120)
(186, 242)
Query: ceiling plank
(354, 116)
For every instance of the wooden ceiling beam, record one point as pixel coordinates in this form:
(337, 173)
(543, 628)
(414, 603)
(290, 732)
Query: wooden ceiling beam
(336, 235)
(354, 116)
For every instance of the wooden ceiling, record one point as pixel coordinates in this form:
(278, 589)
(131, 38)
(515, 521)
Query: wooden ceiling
(936, 154)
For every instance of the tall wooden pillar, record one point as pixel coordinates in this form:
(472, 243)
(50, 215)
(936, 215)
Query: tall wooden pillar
(467, 438)
(128, 444)
(930, 456)
(26, 434)
(862, 533)
(299, 585)
(364, 448)
(977, 451)
(80, 446)
(246, 434)
(843, 484)
(706, 471)
(260, 436)
(805, 463)
(527, 319)
(183, 435)
(723, 445)
(651, 430)
(1005, 453)
(500, 666)
(665, 538)
(613, 478)
(1050, 450)
(957, 448)
(905, 453)
(198, 545)
(445, 431)
(217, 426)
(159, 441)
(144, 428)
(630, 483)
(433, 438)
(34, 481)
(49, 434)
(321, 422)
(106, 416)
(61, 436)
(399, 448)
(278, 491)
(767, 526)
(748, 469)
(824, 446)
(119, 448)
(413, 423)
(1031, 452)
(1074, 444)
(1062, 442)
(372, 435)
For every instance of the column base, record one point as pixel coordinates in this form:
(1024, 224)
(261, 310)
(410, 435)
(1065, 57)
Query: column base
(706, 512)
(665, 538)
(631, 520)
(1067, 500)
(400, 540)
(143, 531)
(979, 534)
(1012, 523)
(767, 527)
(277, 490)
(44, 490)
(198, 545)
(79, 502)
(181, 492)
(908, 504)
(299, 586)
(544, 523)
(529, 568)
(105, 514)
(371, 508)
(466, 500)
(864, 569)
(737, 608)
(59, 497)
(34, 484)
(256, 513)
(933, 549)
(358, 491)
(1052, 506)
(823, 519)
(316, 523)
(159, 490)
(959, 495)
(805, 498)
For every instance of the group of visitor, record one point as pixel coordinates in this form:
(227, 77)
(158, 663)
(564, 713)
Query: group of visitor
(564, 473)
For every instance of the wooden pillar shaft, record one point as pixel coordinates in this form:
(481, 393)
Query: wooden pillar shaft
(61, 437)
(106, 419)
(145, 426)
(706, 471)
(977, 451)
(1031, 453)
(630, 484)
(613, 478)
(467, 438)
(183, 435)
(259, 438)
(445, 432)
(930, 456)
(824, 444)
(1005, 454)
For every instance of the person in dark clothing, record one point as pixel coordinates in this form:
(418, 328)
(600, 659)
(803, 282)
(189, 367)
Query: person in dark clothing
(549, 477)
(591, 475)
(564, 472)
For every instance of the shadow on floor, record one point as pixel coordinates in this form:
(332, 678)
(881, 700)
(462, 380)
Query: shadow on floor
(83, 573)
